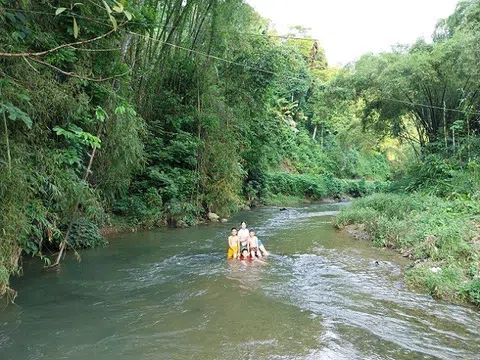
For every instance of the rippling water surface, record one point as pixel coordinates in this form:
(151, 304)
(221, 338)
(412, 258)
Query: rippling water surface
(171, 294)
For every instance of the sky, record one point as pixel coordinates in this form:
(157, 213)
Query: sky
(349, 28)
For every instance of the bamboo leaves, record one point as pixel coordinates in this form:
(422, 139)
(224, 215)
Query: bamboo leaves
(75, 28)
(15, 114)
(116, 8)
(60, 10)
(78, 136)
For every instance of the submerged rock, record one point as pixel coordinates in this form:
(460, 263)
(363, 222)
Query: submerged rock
(329, 200)
(213, 217)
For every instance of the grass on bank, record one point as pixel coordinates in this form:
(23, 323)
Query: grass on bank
(443, 236)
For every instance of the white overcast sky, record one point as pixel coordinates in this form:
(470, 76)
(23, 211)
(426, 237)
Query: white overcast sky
(349, 28)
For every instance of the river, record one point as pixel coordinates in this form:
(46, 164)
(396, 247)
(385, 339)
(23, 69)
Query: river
(171, 294)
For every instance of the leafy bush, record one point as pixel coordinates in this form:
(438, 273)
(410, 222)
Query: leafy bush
(318, 187)
(85, 234)
(442, 284)
(442, 176)
(145, 210)
(297, 185)
(471, 291)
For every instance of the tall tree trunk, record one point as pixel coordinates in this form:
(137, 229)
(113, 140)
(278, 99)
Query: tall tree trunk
(469, 149)
(7, 142)
(445, 125)
(453, 140)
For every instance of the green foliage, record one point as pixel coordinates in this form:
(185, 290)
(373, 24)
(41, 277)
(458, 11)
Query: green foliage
(442, 176)
(443, 284)
(318, 187)
(15, 114)
(14, 192)
(122, 155)
(471, 291)
(441, 233)
(85, 234)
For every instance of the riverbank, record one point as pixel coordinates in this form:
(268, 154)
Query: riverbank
(291, 189)
(442, 237)
(279, 189)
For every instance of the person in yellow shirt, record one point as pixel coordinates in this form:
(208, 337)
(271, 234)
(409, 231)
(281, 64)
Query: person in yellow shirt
(233, 242)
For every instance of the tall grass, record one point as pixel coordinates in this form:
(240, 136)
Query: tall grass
(436, 232)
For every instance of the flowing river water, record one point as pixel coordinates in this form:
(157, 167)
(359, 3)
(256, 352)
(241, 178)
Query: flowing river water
(171, 294)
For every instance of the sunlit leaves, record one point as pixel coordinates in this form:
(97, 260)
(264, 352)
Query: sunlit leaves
(128, 15)
(75, 28)
(60, 10)
(78, 136)
(118, 7)
(111, 17)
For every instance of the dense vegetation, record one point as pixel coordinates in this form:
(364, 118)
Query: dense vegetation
(428, 94)
(149, 112)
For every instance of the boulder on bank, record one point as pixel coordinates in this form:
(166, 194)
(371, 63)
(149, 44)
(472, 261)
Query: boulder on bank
(181, 224)
(357, 230)
(223, 220)
(213, 217)
(246, 208)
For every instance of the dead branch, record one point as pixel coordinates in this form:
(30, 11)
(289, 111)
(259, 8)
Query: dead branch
(72, 74)
(77, 43)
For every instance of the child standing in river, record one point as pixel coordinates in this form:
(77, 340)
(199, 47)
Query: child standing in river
(233, 241)
(243, 234)
(253, 245)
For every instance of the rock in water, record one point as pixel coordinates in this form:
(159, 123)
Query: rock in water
(224, 220)
(181, 224)
(213, 217)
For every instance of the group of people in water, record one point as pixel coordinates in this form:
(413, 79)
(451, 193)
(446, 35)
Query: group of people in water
(243, 244)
